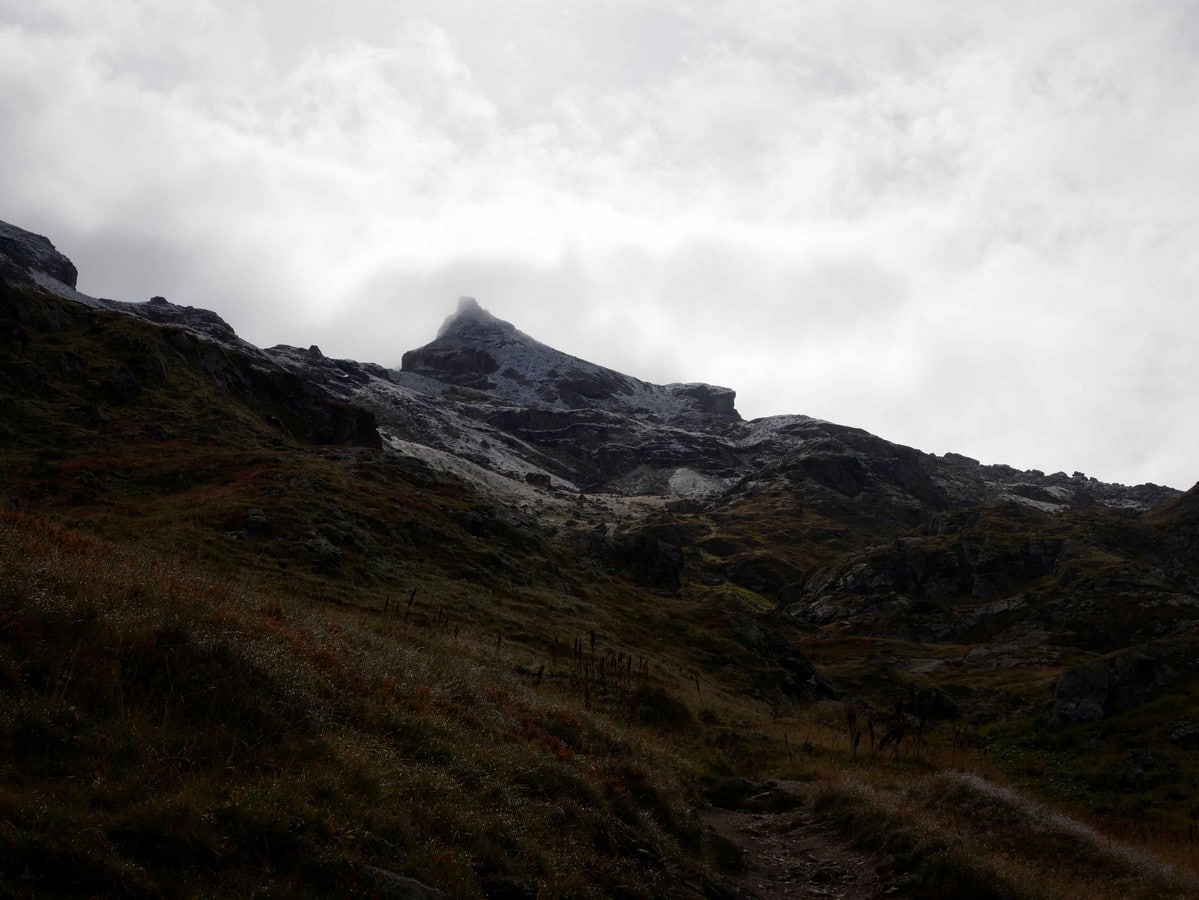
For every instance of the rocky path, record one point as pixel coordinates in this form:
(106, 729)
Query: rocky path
(773, 848)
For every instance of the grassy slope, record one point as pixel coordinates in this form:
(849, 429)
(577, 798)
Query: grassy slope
(202, 695)
(171, 734)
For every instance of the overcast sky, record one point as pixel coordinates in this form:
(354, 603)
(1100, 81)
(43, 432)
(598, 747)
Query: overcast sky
(962, 226)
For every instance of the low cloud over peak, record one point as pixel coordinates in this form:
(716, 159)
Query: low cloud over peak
(960, 229)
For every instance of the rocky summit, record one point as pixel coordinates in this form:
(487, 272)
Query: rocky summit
(476, 350)
(502, 622)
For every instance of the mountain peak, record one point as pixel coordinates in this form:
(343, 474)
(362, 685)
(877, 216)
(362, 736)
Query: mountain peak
(471, 318)
(474, 349)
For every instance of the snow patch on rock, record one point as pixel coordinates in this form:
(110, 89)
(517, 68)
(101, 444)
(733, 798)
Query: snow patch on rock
(689, 483)
(491, 484)
(52, 285)
(1042, 505)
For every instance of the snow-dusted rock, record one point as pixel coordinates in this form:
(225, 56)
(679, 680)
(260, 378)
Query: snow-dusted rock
(476, 350)
(23, 253)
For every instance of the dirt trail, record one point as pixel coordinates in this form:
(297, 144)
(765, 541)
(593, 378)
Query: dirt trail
(790, 853)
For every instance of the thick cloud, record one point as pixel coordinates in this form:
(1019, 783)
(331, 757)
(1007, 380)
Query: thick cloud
(964, 228)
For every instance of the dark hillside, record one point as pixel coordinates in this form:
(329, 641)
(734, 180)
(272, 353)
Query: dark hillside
(277, 624)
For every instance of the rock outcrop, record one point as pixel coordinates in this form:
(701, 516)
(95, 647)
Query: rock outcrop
(202, 321)
(22, 254)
